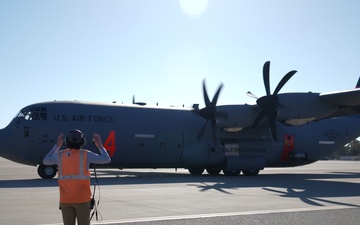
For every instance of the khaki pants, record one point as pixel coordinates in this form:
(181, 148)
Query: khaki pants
(73, 211)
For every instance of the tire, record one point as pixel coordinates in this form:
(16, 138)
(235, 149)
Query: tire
(47, 172)
(251, 172)
(213, 170)
(231, 173)
(196, 171)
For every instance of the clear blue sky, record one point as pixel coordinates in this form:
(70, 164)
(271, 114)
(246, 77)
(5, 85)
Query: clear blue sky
(161, 50)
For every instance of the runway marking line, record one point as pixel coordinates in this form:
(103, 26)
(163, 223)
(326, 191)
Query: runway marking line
(197, 216)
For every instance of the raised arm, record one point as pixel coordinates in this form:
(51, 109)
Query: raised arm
(51, 158)
(104, 157)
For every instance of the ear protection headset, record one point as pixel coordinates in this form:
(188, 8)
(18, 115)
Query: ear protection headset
(75, 138)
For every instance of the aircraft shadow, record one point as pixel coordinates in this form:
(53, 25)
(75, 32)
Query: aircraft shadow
(309, 188)
(28, 183)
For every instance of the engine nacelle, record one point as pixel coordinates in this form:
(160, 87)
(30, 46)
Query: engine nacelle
(234, 121)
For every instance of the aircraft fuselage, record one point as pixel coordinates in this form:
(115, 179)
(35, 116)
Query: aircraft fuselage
(154, 137)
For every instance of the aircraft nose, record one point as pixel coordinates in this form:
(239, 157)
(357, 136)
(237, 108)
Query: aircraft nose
(7, 144)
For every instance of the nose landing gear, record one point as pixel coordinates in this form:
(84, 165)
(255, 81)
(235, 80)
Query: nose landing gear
(47, 172)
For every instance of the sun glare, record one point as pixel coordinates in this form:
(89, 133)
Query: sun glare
(193, 8)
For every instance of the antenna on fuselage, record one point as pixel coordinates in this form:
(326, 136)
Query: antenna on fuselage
(138, 103)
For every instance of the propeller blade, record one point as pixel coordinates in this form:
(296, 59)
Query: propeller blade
(266, 72)
(214, 100)
(269, 103)
(258, 118)
(272, 124)
(251, 95)
(206, 97)
(202, 129)
(209, 112)
(213, 127)
(283, 81)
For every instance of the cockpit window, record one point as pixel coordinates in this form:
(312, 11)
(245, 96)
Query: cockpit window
(33, 113)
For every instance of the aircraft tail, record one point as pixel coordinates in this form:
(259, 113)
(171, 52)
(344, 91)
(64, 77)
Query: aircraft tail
(358, 84)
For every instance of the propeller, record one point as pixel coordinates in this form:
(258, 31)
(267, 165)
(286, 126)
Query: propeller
(209, 113)
(269, 103)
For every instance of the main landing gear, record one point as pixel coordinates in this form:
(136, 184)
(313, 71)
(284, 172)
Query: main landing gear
(216, 171)
(47, 172)
(237, 172)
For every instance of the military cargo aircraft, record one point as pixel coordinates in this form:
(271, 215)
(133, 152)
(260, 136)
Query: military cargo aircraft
(280, 130)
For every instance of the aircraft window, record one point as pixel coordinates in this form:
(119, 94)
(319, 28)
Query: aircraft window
(35, 113)
(20, 115)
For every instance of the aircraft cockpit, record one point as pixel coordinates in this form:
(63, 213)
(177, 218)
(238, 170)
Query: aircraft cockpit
(33, 113)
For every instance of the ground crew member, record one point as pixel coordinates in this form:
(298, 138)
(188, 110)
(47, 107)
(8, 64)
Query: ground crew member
(74, 175)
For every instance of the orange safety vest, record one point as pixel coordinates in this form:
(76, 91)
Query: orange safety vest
(73, 176)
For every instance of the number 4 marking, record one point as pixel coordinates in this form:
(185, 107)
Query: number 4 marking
(109, 144)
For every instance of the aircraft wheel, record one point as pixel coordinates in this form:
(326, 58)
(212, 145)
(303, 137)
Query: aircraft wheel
(213, 170)
(196, 171)
(251, 172)
(47, 172)
(231, 172)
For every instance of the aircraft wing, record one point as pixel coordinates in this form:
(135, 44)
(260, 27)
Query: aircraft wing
(342, 98)
(348, 102)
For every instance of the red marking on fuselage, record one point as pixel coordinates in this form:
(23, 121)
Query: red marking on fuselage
(289, 141)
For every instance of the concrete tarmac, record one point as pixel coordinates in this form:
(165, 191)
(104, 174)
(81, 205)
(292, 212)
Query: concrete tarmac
(326, 192)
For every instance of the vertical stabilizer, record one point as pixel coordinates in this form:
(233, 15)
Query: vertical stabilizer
(358, 84)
